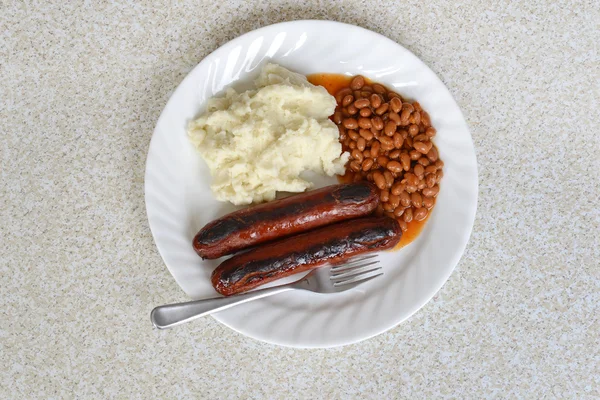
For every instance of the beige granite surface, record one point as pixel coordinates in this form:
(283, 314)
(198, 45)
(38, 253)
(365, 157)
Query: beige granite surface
(81, 87)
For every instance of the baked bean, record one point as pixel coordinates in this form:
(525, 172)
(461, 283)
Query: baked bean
(353, 135)
(421, 184)
(417, 117)
(428, 202)
(384, 195)
(408, 215)
(395, 117)
(408, 142)
(418, 169)
(439, 175)
(405, 161)
(351, 110)
(357, 82)
(375, 100)
(430, 132)
(379, 180)
(390, 128)
(361, 103)
(361, 143)
(420, 214)
(396, 105)
(398, 188)
(391, 95)
(357, 94)
(414, 154)
(364, 123)
(394, 154)
(374, 131)
(420, 138)
(439, 164)
(405, 199)
(411, 188)
(386, 143)
(394, 200)
(342, 93)
(404, 116)
(352, 145)
(398, 140)
(394, 166)
(366, 134)
(403, 225)
(337, 117)
(424, 161)
(365, 112)
(379, 89)
(382, 109)
(399, 211)
(350, 123)
(377, 122)
(348, 99)
(367, 88)
(408, 107)
(430, 180)
(365, 93)
(425, 121)
(417, 106)
(370, 177)
(357, 155)
(375, 149)
(432, 155)
(413, 130)
(423, 147)
(416, 199)
(367, 152)
(389, 179)
(367, 164)
(355, 166)
(431, 169)
(410, 179)
(383, 161)
(432, 191)
(388, 207)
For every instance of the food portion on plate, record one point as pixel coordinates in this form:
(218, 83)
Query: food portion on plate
(259, 142)
(390, 143)
(285, 217)
(327, 245)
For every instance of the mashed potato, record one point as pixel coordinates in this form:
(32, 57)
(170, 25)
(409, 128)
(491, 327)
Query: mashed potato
(258, 142)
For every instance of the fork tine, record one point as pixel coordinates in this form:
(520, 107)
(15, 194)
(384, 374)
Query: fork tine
(363, 269)
(354, 282)
(354, 261)
(361, 263)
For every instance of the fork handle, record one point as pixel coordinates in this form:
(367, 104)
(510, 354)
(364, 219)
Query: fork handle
(170, 315)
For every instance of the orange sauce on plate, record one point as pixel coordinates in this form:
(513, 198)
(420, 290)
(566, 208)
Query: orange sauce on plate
(333, 83)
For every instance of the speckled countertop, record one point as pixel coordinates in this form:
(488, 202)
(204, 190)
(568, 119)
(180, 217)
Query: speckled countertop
(81, 88)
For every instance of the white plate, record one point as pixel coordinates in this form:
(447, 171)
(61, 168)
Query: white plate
(179, 201)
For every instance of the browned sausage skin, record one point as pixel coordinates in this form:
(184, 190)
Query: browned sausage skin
(285, 217)
(303, 252)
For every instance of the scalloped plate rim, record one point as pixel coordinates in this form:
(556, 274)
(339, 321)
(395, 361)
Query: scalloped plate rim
(424, 298)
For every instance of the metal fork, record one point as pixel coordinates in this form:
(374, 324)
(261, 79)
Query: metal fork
(336, 278)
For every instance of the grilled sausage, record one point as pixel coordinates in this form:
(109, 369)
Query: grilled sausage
(303, 252)
(285, 217)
